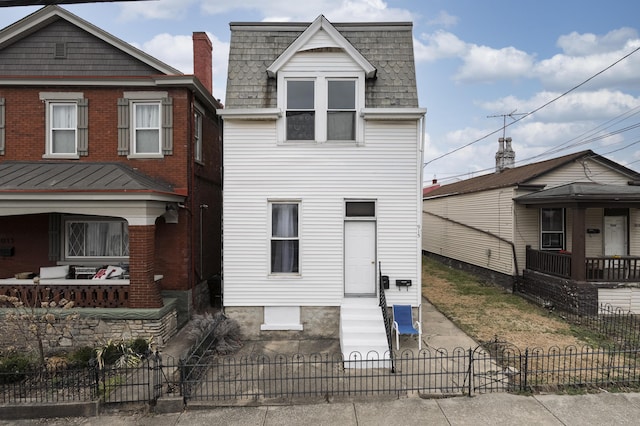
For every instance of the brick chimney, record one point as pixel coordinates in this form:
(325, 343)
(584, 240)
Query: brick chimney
(202, 60)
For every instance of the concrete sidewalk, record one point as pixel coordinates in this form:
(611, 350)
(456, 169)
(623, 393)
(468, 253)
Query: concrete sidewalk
(487, 409)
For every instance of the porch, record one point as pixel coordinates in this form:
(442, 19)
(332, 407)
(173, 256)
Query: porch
(609, 269)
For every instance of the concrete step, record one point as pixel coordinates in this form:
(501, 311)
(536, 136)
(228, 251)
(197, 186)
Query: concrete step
(362, 333)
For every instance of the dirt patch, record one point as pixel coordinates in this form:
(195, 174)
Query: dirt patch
(485, 311)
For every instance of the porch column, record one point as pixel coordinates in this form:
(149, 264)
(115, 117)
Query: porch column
(143, 290)
(578, 269)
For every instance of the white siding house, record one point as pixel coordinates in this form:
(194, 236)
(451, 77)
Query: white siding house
(576, 214)
(322, 173)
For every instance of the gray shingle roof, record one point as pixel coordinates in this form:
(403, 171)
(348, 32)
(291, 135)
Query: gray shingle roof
(387, 46)
(19, 176)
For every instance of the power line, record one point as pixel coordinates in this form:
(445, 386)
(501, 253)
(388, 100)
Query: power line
(535, 110)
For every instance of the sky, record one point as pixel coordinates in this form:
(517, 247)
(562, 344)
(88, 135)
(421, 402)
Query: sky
(561, 74)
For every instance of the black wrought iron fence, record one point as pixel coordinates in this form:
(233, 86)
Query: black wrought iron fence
(493, 367)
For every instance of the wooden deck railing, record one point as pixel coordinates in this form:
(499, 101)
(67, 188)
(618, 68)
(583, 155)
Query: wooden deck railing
(606, 269)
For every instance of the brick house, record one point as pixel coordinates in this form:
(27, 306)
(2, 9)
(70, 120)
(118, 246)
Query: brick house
(108, 158)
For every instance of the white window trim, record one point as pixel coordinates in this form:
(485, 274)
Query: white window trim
(360, 218)
(134, 148)
(321, 105)
(564, 230)
(285, 275)
(50, 99)
(144, 97)
(65, 238)
(198, 147)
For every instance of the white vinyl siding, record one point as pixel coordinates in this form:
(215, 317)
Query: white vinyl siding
(321, 177)
(625, 299)
(488, 212)
(590, 171)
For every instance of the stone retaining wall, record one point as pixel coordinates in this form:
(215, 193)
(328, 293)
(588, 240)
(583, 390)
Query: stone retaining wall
(95, 326)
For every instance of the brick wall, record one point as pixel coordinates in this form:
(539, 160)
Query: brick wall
(144, 292)
(28, 235)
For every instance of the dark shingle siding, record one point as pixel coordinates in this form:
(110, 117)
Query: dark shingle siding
(86, 55)
(389, 48)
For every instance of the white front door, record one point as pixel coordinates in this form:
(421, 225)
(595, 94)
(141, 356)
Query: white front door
(360, 258)
(615, 235)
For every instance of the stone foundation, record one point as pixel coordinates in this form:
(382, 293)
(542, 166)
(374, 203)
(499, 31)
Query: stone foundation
(317, 322)
(95, 326)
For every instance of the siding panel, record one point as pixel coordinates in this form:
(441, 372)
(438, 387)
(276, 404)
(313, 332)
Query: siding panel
(321, 176)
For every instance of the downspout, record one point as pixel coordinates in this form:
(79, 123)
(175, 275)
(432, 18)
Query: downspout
(423, 128)
(513, 246)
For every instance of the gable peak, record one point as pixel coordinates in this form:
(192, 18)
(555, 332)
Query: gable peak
(321, 34)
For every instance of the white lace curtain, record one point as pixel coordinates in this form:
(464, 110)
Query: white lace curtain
(147, 128)
(63, 128)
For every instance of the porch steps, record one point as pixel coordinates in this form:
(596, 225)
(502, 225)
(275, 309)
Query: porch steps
(362, 333)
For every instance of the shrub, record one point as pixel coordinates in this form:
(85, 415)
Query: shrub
(12, 367)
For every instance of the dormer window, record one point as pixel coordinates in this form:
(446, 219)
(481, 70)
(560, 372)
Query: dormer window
(321, 109)
(301, 110)
(341, 112)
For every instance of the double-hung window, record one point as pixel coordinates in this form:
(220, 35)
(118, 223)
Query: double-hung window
(66, 121)
(63, 128)
(301, 110)
(321, 109)
(552, 229)
(285, 238)
(197, 136)
(146, 125)
(341, 111)
(96, 239)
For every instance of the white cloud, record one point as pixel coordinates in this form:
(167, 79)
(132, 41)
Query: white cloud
(439, 45)
(576, 44)
(479, 63)
(485, 64)
(177, 51)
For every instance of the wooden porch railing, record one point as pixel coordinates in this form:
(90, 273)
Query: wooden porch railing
(605, 269)
(549, 262)
(106, 294)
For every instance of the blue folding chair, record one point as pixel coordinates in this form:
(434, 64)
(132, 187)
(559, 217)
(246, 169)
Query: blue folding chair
(403, 324)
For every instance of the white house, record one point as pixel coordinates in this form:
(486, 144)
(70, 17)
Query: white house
(566, 230)
(322, 178)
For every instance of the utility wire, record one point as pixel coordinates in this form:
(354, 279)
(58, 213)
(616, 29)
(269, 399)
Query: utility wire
(535, 110)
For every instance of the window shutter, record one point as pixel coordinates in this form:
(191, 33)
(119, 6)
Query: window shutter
(123, 126)
(2, 126)
(167, 126)
(54, 236)
(83, 127)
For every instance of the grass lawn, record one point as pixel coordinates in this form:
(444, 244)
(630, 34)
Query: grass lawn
(485, 311)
